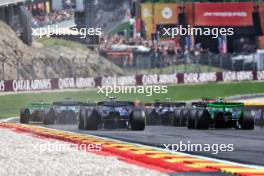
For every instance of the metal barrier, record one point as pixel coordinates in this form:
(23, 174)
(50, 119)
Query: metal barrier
(156, 62)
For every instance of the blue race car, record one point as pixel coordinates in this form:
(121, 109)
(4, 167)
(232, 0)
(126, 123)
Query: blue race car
(112, 115)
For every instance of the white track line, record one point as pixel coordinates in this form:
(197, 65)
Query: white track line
(8, 119)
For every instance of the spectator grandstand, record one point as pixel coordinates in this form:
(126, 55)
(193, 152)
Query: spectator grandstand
(221, 52)
(43, 13)
(139, 43)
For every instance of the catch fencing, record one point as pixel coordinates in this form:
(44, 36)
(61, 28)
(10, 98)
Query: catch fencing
(187, 62)
(137, 63)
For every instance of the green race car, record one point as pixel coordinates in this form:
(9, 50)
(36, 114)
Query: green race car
(59, 112)
(218, 114)
(35, 112)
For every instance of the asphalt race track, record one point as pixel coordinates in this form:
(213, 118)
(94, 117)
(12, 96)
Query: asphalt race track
(248, 145)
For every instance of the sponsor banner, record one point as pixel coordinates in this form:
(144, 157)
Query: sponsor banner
(155, 79)
(46, 84)
(260, 75)
(238, 76)
(119, 81)
(150, 79)
(229, 76)
(189, 13)
(25, 85)
(79, 83)
(66, 83)
(166, 13)
(168, 79)
(191, 78)
(223, 14)
(199, 77)
(82, 83)
(126, 81)
(207, 77)
(31, 85)
(108, 81)
(261, 16)
(244, 75)
(147, 17)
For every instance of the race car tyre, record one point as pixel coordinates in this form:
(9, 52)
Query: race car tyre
(153, 118)
(202, 120)
(91, 120)
(138, 120)
(177, 118)
(192, 119)
(247, 121)
(81, 116)
(37, 116)
(185, 116)
(50, 117)
(24, 115)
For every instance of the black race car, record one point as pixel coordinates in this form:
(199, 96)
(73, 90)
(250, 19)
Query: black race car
(66, 112)
(163, 113)
(112, 115)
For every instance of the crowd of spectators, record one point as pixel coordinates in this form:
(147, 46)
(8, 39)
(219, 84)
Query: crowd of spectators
(161, 53)
(42, 18)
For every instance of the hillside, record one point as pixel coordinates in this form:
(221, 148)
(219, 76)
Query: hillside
(44, 60)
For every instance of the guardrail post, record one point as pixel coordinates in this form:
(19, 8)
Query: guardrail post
(209, 62)
(3, 59)
(254, 62)
(262, 118)
(221, 61)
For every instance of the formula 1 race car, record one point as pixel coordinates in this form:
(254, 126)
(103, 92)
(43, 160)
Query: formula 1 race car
(112, 115)
(163, 113)
(218, 114)
(36, 112)
(61, 112)
(65, 112)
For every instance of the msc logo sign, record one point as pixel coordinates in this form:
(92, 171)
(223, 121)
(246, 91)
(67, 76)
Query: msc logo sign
(167, 13)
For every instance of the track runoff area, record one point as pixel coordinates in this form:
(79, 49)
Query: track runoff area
(152, 148)
(172, 163)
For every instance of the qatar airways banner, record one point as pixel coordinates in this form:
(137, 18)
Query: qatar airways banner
(148, 79)
(223, 14)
